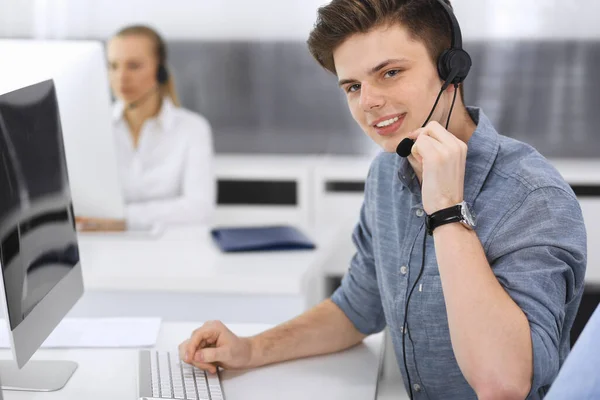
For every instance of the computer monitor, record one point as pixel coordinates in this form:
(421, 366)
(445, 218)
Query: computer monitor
(79, 71)
(39, 256)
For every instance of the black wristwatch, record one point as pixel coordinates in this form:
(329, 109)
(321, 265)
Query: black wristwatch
(458, 213)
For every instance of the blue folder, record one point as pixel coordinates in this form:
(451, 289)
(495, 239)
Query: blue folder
(264, 238)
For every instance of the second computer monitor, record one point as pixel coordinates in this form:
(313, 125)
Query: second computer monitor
(79, 71)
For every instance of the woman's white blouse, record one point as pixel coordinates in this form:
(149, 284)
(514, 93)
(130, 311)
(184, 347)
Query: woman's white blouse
(169, 178)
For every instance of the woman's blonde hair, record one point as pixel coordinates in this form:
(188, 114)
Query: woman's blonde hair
(167, 88)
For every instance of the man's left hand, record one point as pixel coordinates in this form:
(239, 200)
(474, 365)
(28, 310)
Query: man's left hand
(442, 157)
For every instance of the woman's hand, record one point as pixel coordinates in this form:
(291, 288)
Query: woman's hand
(91, 224)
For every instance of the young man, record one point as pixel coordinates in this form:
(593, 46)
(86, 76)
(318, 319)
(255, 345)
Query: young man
(490, 308)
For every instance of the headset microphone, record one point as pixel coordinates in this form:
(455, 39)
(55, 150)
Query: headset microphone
(162, 77)
(141, 100)
(405, 147)
(453, 67)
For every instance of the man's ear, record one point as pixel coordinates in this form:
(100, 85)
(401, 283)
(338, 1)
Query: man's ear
(450, 89)
(459, 96)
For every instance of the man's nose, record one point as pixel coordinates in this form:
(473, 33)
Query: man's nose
(370, 98)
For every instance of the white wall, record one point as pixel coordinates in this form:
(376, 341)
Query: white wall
(16, 18)
(187, 19)
(528, 18)
(278, 19)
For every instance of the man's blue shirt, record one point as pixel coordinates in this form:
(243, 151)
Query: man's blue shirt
(531, 228)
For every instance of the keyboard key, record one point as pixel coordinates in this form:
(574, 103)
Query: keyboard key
(170, 378)
(214, 386)
(164, 370)
(203, 396)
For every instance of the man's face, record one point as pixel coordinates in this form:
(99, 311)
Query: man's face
(390, 83)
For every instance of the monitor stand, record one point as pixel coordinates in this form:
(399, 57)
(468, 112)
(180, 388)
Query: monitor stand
(36, 375)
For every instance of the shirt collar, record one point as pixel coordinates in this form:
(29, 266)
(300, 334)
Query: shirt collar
(164, 118)
(482, 151)
(483, 147)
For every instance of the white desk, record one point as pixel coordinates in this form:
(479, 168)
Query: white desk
(112, 373)
(182, 275)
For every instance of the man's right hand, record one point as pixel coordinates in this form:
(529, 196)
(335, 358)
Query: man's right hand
(323, 329)
(212, 345)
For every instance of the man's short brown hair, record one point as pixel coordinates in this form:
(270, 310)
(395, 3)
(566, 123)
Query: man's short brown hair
(425, 21)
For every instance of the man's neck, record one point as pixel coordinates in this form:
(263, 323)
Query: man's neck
(461, 123)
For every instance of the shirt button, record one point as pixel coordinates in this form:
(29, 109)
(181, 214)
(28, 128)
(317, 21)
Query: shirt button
(419, 213)
(417, 387)
(403, 269)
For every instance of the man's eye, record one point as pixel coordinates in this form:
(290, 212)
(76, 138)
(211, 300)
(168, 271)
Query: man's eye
(392, 72)
(353, 88)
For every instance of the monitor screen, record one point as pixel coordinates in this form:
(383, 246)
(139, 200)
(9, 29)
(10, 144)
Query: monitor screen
(38, 241)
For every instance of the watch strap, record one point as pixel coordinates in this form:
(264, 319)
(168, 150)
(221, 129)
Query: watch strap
(443, 217)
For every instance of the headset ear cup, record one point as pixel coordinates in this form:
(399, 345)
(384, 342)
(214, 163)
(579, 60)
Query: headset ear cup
(443, 65)
(162, 75)
(454, 59)
(460, 59)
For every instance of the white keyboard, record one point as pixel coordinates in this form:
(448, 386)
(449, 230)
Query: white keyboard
(162, 375)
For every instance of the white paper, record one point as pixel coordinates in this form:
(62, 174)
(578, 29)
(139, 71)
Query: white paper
(97, 332)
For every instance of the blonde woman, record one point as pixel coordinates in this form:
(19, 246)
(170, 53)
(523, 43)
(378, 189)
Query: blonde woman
(165, 152)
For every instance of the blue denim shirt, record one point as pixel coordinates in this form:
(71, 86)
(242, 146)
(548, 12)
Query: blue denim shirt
(531, 228)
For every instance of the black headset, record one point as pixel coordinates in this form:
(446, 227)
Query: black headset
(454, 63)
(162, 75)
(453, 67)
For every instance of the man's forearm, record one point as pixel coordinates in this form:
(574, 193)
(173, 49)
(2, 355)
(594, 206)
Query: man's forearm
(321, 330)
(490, 334)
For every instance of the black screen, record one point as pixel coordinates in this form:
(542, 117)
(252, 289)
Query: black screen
(38, 244)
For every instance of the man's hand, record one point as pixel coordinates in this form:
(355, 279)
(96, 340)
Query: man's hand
(442, 157)
(212, 345)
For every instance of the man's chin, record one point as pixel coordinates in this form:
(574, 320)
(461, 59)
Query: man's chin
(389, 146)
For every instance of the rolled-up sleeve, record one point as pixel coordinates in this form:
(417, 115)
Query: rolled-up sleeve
(538, 254)
(358, 296)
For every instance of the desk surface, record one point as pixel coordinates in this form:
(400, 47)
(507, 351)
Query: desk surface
(112, 373)
(185, 259)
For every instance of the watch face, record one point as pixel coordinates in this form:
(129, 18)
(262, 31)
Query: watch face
(466, 213)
